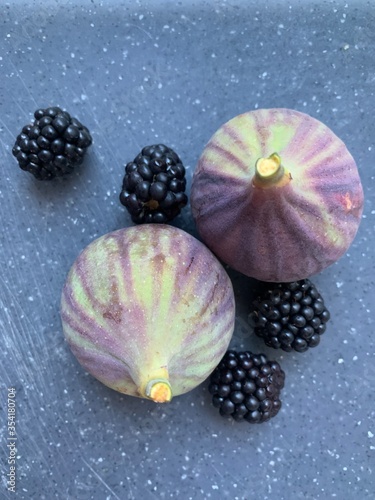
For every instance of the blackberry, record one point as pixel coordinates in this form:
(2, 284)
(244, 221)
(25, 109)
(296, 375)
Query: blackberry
(52, 145)
(153, 188)
(247, 387)
(290, 316)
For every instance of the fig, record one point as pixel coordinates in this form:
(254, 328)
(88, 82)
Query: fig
(149, 311)
(276, 195)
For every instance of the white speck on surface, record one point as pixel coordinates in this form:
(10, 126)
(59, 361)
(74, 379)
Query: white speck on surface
(340, 361)
(72, 55)
(370, 434)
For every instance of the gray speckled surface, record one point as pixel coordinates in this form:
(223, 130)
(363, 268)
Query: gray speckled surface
(142, 72)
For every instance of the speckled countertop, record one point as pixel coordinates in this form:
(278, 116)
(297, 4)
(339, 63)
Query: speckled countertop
(142, 72)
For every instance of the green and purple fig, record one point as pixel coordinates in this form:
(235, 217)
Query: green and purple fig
(276, 195)
(149, 311)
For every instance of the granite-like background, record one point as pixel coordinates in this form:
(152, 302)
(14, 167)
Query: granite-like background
(142, 72)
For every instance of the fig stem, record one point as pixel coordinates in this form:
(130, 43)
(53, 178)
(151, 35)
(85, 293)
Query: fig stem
(159, 390)
(270, 172)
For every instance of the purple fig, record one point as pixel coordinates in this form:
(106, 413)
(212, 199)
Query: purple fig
(148, 310)
(276, 195)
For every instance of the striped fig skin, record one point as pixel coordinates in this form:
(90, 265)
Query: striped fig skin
(279, 233)
(145, 303)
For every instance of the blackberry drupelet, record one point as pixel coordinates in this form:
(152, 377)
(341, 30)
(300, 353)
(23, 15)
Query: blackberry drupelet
(153, 188)
(290, 316)
(247, 387)
(52, 145)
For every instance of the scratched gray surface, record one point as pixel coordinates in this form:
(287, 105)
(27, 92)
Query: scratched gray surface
(137, 73)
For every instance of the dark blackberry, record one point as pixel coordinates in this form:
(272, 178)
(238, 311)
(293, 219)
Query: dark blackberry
(290, 316)
(247, 387)
(52, 145)
(153, 188)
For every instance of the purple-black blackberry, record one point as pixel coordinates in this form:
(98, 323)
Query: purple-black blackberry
(290, 316)
(247, 387)
(52, 145)
(153, 188)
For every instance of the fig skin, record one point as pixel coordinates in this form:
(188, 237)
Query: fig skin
(148, 310)
(287, 225)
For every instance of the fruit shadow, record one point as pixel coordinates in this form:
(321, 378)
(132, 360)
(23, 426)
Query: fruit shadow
(246, 290)
(143, 422)
(56, 190)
